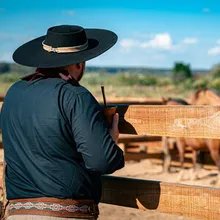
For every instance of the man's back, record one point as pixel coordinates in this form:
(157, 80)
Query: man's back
(46, 140)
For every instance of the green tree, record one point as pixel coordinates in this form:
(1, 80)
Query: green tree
(4, 68)
(181, 72)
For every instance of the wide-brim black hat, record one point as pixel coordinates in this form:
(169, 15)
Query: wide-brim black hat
(64, 45)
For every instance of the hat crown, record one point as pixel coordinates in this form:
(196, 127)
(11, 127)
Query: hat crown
(65, 36)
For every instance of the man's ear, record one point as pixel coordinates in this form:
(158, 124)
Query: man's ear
(80, 66)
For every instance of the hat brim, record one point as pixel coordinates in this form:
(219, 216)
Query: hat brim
(32, 53)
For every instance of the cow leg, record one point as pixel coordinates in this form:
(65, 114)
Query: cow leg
(181, 149)
(214, 146)
(195, 170)
(218, 178)
(216, 158)
(167, 156)
(200, 158)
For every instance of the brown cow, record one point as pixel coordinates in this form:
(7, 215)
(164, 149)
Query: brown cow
(201, 97)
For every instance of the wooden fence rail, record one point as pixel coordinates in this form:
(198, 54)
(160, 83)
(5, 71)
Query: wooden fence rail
(125, 139)
(132, 101)
(178, 199)
(172, 121)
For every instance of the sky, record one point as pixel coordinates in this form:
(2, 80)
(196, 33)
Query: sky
(151, 33)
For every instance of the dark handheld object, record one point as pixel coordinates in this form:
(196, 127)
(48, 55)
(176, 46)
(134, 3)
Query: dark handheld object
(103, 95)
(109, 113)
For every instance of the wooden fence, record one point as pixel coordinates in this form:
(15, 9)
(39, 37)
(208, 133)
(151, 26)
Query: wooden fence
(191, 201)
(173, 121)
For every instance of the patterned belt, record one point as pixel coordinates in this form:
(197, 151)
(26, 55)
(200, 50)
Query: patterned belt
(65, 208)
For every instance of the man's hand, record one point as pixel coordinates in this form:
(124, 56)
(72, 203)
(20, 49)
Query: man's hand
(114, 132)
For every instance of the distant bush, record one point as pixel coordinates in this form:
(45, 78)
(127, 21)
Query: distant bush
(215, 72)
(215, 84)
(164, 81)
(147, 80)
(126, 79)
(188, 84)
(135, 79)
(10, 77)
(201, 83)
(96, 79)
(4, 68)
(181, 72)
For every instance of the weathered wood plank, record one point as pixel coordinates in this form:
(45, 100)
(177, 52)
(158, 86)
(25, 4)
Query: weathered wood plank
(137, 138)
(136, 156)
(177, 199)
(173, 121)
(148, 144)
(131, 100)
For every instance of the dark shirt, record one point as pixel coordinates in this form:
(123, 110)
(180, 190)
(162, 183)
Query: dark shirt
(56, 142)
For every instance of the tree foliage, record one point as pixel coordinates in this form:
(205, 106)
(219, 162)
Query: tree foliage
(4, 68)
(181, 72)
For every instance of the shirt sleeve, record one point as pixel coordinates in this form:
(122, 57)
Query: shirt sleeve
(1, 116)
(93, 141)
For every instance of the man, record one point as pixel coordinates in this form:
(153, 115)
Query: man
(57, 144)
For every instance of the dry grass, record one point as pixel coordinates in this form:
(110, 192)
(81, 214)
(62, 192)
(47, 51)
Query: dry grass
(140, 91)
(128, 91)
(4, 87)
